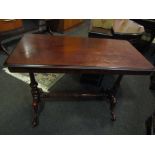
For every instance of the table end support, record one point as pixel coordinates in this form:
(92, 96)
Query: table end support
(36, 99)
(112, 100)
(111, 96)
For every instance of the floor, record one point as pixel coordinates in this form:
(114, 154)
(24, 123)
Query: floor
(89, 117)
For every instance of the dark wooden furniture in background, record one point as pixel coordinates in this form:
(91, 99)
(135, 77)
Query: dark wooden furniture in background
(9, 28)
(63, 54)
(10, 24)
(62, 25)
(14, 29)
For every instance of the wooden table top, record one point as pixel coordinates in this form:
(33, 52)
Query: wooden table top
(46, 53)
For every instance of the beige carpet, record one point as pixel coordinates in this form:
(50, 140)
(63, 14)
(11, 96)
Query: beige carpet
(45, 80)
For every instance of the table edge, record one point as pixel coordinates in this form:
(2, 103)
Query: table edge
(77, 69)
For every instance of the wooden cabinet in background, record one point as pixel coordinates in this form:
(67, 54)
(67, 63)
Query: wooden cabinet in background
(9, 28)
(61, 25)
(70, 23)
(8, 25)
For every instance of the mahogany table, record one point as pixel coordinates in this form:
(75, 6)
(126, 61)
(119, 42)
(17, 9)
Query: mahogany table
(63, 54)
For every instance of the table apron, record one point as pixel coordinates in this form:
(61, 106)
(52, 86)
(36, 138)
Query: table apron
(79, 71)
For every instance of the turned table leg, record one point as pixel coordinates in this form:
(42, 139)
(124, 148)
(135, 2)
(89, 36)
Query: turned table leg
(112, 100)
(111, 95)
(36, 99)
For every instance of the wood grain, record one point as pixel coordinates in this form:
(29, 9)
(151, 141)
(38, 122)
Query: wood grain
(64, 54)
(8, 25)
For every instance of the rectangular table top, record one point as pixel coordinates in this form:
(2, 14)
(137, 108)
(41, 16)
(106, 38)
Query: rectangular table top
(46, 53)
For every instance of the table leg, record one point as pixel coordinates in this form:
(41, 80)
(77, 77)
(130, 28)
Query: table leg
(36, 99)
(113, 101)
(117, 84)
(111, 95)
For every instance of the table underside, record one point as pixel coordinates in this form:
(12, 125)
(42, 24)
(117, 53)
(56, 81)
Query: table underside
(108, 94)
(38, 95)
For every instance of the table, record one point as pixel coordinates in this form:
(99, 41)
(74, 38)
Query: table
(37, 53)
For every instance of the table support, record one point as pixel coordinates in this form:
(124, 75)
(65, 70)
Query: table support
(36, 99)
(117, 84)
(112, 99)
(111, 96)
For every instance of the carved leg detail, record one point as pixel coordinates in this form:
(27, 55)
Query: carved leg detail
(36, 98)
(113, 102)
(111, 96)
(35, 120)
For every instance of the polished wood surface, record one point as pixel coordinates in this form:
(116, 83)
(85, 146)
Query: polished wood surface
(8, 25)
(46, 53)
(70, 23)
(62, 25)
(43, 53)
